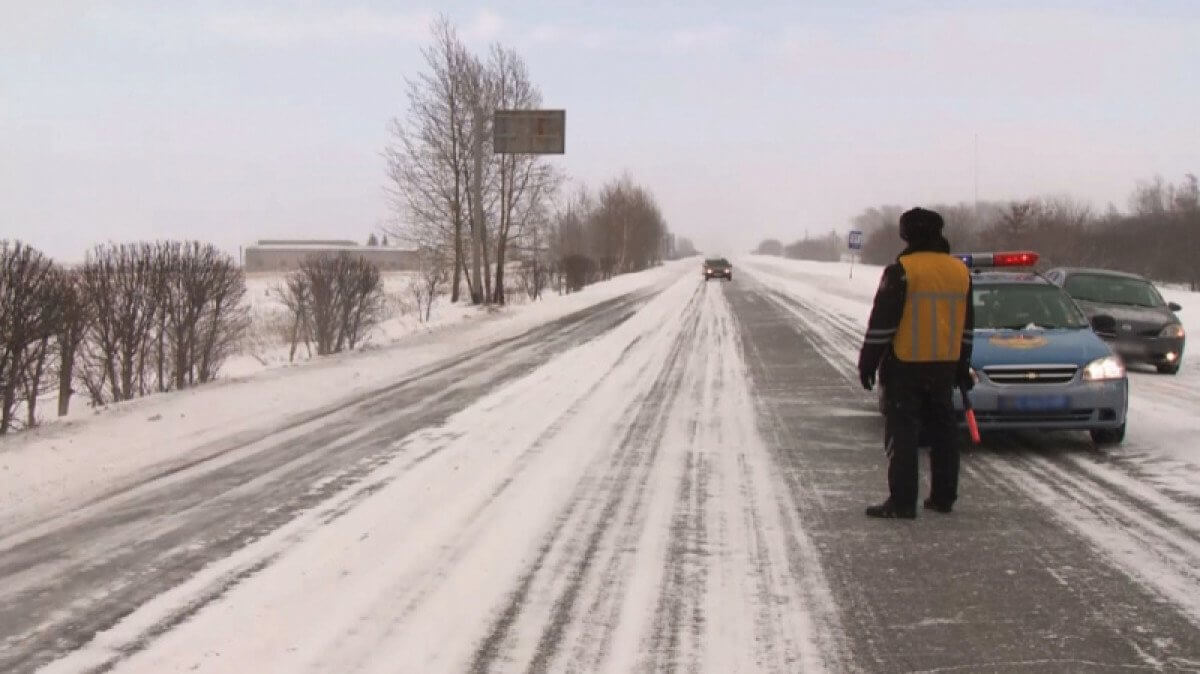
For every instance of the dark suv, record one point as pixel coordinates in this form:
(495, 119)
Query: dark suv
(718, 267)
(1147, 329)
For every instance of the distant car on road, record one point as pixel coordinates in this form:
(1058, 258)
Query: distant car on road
(718, 267)
(1037, 362)
(1147, 329)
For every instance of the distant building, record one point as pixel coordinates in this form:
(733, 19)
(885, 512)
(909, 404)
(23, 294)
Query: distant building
(275, 255)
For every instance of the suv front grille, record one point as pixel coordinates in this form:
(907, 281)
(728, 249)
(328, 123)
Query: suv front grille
(1031, 374)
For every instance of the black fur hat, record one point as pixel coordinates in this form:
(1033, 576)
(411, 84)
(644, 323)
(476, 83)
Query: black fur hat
(920, 224)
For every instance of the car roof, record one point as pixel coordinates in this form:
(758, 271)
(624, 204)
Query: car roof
(1100, 272)
(1008, 277)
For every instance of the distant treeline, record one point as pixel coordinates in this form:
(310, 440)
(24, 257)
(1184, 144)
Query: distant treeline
(1158, 237)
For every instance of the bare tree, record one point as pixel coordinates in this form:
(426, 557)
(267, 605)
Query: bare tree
(203, 315)
(74, 318)
(525, 182)
(535, 253)
(334, 300)
(28, 320)
(296, 298)
(430, 156)
(427, 285)
(122, 283)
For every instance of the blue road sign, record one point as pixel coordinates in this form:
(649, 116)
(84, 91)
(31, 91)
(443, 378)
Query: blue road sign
(856, 239)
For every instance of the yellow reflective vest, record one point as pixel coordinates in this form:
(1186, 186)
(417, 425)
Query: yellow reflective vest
(935, 310)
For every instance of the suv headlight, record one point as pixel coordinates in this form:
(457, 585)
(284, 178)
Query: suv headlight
(1101, 369)
(1173, 330)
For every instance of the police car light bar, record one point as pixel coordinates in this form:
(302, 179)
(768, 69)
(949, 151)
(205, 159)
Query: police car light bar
(1020, 258)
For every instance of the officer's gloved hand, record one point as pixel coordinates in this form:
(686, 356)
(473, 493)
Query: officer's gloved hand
(867, 377)
(965, 379)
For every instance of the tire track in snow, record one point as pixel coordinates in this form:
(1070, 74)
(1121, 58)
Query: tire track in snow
(737, 593)
(591, 638)
(623, 486)
(1130, 532)
(678, 549)
(678, 620)
(796, 499)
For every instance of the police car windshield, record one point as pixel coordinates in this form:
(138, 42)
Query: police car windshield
(1022, 306)
(1113, 290)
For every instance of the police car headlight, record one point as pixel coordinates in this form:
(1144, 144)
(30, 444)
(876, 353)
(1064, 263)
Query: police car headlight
(1173, 330)
(1101, 369)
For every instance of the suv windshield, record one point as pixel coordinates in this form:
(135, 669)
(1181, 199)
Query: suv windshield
(1017, 306)
(1113, 290)
(716, 262)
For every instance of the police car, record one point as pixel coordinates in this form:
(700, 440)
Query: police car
(1037, 362)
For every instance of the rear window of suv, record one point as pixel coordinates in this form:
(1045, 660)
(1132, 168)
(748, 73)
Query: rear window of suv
(1113, 290)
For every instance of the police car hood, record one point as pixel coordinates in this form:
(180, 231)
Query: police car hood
(1037, 347)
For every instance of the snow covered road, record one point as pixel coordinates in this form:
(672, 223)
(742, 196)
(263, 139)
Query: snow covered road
(670, 480)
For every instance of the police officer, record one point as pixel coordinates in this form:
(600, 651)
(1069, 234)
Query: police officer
(919, 340)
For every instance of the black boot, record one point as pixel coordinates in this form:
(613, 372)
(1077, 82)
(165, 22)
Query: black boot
(889, 510)
(930, 504)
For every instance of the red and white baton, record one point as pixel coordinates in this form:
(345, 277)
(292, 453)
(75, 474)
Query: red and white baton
(970, 412)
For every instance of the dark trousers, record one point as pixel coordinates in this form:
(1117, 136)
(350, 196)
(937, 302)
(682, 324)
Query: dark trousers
(919, 406)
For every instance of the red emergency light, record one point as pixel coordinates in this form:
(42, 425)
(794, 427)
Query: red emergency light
(1025, 258)
(1016, 258)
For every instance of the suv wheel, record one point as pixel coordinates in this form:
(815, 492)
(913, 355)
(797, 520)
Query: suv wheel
(1108, 436)
(1169, 368)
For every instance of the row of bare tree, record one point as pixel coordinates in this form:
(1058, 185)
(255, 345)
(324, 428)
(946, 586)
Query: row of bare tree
(1158, 237)
(133, 319)
(473, 212)
(618, 230)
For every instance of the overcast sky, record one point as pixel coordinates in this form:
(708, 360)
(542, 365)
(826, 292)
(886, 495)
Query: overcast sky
(230, 122)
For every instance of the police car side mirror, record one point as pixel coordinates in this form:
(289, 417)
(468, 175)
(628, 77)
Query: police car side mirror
(1174, 306)
(1104, 325)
